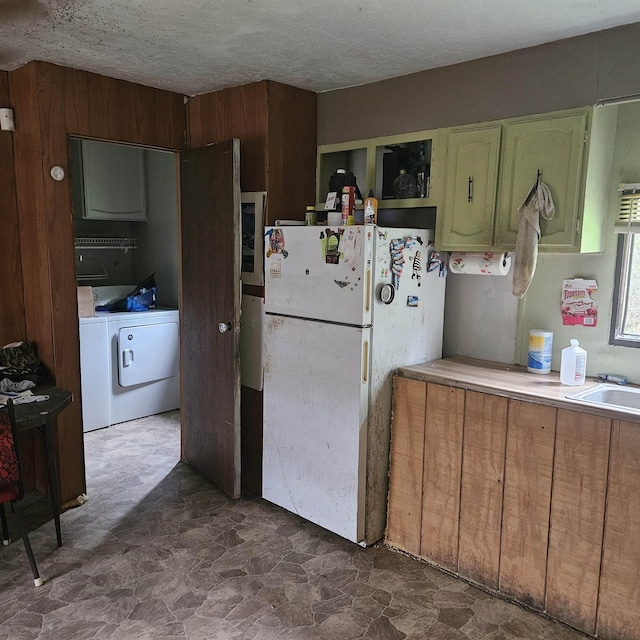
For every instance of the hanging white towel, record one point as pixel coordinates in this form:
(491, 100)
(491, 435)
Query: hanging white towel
(538, 203)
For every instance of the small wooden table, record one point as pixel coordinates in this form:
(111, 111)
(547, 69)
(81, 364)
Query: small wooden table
(39, 415)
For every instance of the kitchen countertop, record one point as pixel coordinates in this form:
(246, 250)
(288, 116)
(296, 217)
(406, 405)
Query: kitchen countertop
(512, 381)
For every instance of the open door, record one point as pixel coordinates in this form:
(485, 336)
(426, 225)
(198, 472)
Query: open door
(210, 312)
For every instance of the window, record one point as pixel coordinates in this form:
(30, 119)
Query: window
(625, 325)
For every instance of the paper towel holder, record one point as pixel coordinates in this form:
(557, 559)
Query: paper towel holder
(488, 263)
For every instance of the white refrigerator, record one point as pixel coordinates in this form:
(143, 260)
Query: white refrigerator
(345, 306)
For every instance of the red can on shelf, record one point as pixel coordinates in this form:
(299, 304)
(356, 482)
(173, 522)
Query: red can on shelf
(348, 205)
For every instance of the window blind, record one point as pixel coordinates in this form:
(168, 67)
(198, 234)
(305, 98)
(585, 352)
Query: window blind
(628, 220)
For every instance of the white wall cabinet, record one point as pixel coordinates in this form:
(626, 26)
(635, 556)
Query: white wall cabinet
(112, 181)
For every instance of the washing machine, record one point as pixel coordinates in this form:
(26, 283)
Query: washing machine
(144, 363)
(95, 372)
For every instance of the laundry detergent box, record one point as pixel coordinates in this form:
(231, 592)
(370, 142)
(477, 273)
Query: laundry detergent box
(86, 306)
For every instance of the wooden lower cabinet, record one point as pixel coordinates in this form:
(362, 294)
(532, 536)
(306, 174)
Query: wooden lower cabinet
(485, 432)
(577, 518)
(404, 515)
(539, 504)
(527, 499)
(619, 608)
(442, 464)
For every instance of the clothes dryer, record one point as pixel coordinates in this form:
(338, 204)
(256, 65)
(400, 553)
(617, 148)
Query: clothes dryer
(144, 364)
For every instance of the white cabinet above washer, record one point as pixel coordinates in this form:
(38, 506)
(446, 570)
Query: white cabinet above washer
(109, 181)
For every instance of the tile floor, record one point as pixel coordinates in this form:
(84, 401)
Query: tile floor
(157, 553)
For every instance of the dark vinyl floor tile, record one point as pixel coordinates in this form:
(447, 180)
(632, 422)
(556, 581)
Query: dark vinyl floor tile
(157, 552)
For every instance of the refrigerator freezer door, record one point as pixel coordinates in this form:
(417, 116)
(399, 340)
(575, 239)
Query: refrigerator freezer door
(322, 273)
(147, 353)
(315, 421)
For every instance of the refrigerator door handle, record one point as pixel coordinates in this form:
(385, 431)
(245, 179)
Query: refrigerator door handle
(365, 362)
(367, 284)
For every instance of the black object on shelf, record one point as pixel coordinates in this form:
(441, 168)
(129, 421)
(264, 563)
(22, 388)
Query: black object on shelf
(343, 178)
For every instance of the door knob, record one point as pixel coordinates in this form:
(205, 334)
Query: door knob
(223, 327)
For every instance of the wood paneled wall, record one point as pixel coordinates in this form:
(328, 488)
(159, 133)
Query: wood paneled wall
(12, 321)
(238, 112)
(277, 128)
(51, 103)
(12, 326)
(276, 125)
(292, 151)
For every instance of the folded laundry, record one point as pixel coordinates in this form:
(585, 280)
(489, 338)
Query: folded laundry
(10, 385)
(21, 397)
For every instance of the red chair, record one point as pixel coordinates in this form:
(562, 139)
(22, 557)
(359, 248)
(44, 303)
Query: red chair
(11, 485)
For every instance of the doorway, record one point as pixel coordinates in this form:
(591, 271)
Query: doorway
(203, 237)
(126, 236)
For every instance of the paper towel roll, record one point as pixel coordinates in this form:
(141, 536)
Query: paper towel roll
(484, 264)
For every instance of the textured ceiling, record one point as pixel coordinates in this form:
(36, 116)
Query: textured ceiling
(196, 46)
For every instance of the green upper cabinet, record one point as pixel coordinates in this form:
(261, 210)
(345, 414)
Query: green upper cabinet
(349, 156)
(466, 220)
(377, 162)
(477, 176)
(554, 147)
(416, 155)
(491, 168)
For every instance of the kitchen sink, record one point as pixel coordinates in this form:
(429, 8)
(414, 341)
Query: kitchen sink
(610, 395)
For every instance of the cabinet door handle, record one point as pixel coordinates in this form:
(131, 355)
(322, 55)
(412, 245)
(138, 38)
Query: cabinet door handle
(470, 191)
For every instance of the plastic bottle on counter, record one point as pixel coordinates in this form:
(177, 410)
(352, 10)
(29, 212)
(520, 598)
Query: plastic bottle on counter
(310, 216)
(540, 351)
(371, 209)
(573, 365)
